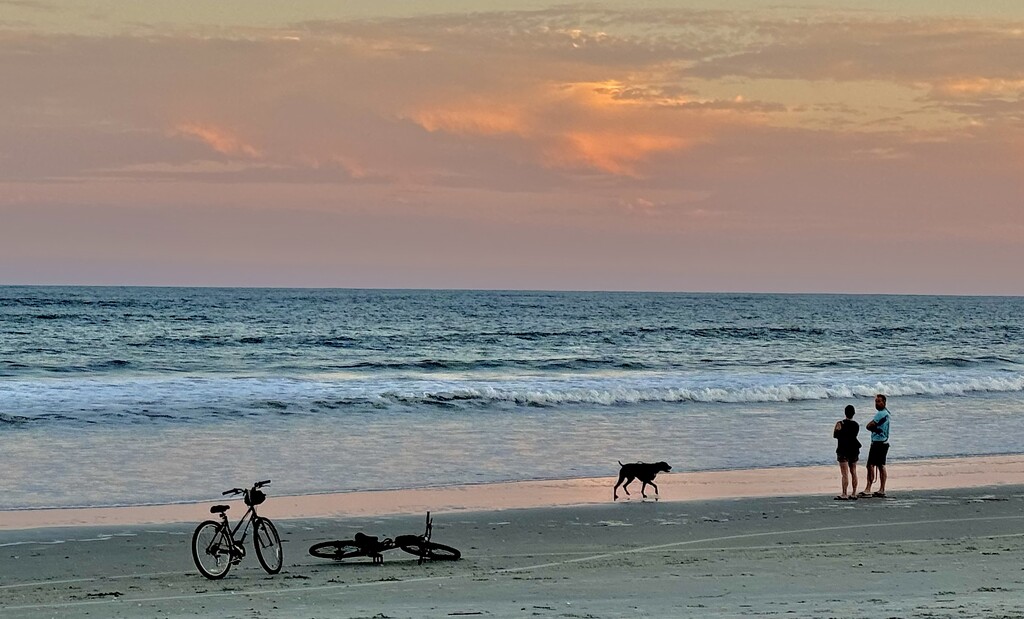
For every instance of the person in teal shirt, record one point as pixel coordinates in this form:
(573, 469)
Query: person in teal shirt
(879, 427)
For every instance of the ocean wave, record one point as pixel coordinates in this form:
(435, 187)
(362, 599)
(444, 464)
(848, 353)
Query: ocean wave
(732, 395)
(12, 419)
(577, 363)
(209, 399)
(339, 341)
(626, 363)
(754, 333)
(541, 335)
(966, 362)
(99, 367)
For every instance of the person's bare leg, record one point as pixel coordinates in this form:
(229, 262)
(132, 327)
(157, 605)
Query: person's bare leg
(870, 480)
(844, 471)
(853, 479)
(881, 479)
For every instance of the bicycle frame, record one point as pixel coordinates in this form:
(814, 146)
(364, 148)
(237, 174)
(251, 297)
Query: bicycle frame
(247, 519)
(237, 545)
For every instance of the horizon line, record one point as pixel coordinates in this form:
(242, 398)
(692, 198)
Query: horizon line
(527, 290)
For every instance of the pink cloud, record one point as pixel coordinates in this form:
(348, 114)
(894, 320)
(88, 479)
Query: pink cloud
(220, 139)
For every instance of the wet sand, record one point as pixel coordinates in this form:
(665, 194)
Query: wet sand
(930, 552)
(773, 482)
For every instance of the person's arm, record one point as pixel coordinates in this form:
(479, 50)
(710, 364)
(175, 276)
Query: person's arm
(838, 428)
(871, 425)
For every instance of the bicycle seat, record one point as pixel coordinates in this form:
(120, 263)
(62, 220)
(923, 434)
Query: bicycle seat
(365, 540)
(219, 509)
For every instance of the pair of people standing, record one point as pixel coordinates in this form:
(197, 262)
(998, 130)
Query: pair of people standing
(848, 450)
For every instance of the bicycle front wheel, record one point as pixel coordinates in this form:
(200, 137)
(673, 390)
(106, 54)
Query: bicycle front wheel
(337, 550)
(432, 550)
(268, 545)
(211, 549)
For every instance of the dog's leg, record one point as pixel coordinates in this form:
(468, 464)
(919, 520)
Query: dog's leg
(615, 494)
(656, 497)
(642, 488)
(625, 486)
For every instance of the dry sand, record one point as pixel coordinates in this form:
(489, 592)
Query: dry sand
(931, 552)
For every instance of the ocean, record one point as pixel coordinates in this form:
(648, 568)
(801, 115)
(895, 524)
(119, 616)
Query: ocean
(129, 396)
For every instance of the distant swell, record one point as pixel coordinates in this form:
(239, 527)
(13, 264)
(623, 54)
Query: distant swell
(488, 364)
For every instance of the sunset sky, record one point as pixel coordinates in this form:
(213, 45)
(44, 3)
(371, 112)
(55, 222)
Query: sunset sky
(727, 145)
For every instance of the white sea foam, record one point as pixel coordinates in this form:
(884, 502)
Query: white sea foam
(751, 394)
(206, 400)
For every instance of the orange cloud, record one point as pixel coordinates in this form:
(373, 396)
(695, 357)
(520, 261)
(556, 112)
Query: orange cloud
(571, 125)
(219, 139)
(974, 86)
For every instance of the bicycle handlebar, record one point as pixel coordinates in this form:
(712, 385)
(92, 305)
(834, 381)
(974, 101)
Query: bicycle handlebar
(255, 486)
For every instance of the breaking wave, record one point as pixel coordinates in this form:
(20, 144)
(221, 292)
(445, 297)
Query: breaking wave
(210, 400)
(733, 395)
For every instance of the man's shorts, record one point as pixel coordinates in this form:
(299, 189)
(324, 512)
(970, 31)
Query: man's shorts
(876, 456)
(848, 456)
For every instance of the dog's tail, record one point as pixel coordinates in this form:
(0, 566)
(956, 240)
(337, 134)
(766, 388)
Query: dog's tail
(620, 463)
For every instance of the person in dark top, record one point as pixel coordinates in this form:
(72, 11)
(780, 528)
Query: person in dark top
(847, 452)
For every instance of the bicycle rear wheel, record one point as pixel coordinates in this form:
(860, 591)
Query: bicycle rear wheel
(267, 543)
(431, 550)
(211, 549)
(337, 550)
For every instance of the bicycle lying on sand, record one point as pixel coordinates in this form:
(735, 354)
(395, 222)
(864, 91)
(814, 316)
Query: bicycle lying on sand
(216, 547)
(367, 546)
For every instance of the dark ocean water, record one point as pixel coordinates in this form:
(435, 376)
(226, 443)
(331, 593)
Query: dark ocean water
(137, 395)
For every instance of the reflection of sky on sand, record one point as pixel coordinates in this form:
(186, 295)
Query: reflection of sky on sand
(785, 481)
(96, 464)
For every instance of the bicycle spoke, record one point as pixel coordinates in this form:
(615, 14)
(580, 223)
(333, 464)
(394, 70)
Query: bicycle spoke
(211, 550)
(268, 545)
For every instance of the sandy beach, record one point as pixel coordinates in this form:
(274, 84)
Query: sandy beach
(935, 551)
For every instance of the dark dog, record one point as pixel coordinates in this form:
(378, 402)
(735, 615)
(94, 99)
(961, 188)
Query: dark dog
(639, 470)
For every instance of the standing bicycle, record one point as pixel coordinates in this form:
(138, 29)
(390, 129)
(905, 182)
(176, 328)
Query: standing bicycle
(216, 546)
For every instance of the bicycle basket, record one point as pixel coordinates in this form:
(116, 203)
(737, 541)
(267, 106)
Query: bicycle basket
(255, 498)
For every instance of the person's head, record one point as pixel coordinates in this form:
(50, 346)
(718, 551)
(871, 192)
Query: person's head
(849, 411)
(879, 402)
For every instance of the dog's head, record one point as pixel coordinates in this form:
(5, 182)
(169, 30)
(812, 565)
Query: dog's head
(663, 466)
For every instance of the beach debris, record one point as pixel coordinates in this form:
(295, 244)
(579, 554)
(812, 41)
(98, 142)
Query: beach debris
(613, 523)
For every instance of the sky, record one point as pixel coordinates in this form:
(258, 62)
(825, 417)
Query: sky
(853, 146)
